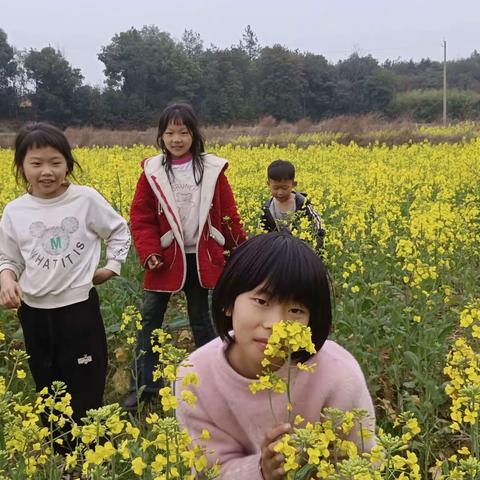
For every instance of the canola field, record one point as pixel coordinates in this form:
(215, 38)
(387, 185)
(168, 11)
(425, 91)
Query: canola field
(403, 251)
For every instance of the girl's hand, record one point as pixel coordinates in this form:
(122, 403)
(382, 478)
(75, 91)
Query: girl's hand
(271, 461)
(101, 275)
(154, 262)
(10, 292)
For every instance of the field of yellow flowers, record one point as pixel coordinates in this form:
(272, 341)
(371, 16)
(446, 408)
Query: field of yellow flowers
(403, 250)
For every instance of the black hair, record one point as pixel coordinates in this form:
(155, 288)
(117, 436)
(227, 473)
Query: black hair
(280, 170)
(287, 269)
(39, 135)
(178, 114)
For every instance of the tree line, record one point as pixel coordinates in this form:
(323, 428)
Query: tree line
(146, 69)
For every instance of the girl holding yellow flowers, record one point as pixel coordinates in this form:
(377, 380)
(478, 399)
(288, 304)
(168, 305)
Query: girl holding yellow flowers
(271, 278)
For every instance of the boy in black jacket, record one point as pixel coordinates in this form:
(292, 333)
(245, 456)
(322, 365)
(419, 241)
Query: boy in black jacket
(286, 207)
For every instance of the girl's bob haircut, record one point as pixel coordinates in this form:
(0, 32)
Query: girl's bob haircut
(287, 270)
(39, 135)
(182, 114)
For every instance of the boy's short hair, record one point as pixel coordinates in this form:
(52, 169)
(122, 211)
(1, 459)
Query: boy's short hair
(288, 270)
(280, 170)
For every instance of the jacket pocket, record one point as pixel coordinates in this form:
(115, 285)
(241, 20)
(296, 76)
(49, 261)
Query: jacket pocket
(217, 235)
(166, 239)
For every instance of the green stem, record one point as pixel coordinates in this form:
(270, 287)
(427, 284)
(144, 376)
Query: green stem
(98, 433)
(173, 384)
(2, 436)
(12, 375)
(388, 473)
(177, 453)
(335, 455)
(271, 407)
(289, 398)
(474, 434)
(167, 452)
(361, 436)
(137, 392)
(114, 469)
(52, 452)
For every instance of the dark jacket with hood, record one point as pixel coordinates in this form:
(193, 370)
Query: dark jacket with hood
(303, 207)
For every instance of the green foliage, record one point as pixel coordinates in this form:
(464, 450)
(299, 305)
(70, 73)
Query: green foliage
(320, 86)
(8, 68)
(249, 43)
(56, 83)
(281, 83)
(427, 105)
(150, 69)
(227, 76)
(363, 86)
(425, 74)
(146, 69)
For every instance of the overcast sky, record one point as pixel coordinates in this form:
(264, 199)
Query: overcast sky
(406, 29)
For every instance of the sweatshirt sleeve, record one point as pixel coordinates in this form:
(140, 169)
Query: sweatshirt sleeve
(143, 221)
(232, 228)
(222, 446)
(363, 401)
(351, 392)
(113, 229)
(10, 255)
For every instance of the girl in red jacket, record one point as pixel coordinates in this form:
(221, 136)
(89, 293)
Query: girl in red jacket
(183, 219)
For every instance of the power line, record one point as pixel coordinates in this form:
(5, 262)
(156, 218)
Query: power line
(369, 50)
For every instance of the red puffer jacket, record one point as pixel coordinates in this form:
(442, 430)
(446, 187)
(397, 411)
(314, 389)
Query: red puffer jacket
(156, 227)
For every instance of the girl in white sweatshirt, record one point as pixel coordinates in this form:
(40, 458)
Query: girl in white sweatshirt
(50, 242)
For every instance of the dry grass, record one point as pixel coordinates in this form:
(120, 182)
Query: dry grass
(89, 136)
(364, 130)
(6, 139)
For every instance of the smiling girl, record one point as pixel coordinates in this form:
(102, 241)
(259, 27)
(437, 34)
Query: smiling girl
(269, 278)
(184, 219)
(50, 243)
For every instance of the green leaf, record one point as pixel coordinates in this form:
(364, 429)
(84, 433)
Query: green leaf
(304, 472)
(412, 359)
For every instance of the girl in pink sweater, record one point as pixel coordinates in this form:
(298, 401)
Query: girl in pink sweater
(271, 277)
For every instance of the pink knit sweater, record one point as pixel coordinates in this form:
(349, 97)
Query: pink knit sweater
(238, 420)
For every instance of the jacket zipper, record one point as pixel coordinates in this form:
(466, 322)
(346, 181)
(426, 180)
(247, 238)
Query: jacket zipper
(174, 254)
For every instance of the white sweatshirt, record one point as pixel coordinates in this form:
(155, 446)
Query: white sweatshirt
(187, 198)
(53, 245)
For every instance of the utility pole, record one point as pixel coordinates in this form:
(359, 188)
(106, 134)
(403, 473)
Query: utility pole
(444, 83)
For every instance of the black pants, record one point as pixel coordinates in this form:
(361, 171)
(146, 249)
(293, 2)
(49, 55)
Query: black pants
(68, 344)
(153, 310)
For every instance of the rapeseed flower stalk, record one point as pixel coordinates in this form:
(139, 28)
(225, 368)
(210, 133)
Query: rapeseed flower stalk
(320, 450)
(463, 370)
(307, 450)
(170, 358)
(17, 358)
(287, 337)
(131, 323)
(30, 443)
(105, 445)
(323, 449)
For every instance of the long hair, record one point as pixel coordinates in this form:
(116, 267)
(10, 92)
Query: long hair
(178, 114)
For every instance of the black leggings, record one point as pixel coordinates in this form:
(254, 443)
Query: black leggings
(68, 344)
